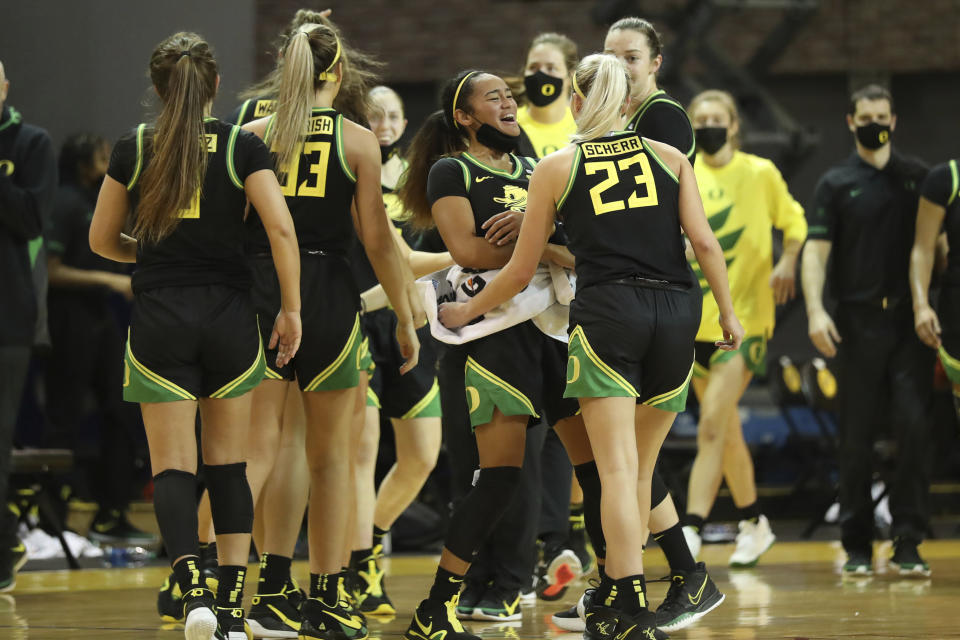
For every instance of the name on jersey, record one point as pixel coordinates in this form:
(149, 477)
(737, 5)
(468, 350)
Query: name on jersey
(6, 168)
(597, 149)
(264, 108)
(211, 143)
(320, 124)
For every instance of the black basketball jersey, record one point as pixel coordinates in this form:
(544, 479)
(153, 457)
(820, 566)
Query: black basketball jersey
(942, 187)
(620, 211)
(207, 245)
(490, 191)
(318, 186)
(253, 109)
(663, 119)
(363, 271)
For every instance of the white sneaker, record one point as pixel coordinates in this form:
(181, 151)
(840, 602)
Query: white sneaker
(693, 541)
(752, 541)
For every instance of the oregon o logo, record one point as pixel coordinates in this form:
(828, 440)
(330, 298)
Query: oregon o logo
(473, 398)
(548, 90)
(757, 350)
(6, 167)
(573, 365)
(884, 136)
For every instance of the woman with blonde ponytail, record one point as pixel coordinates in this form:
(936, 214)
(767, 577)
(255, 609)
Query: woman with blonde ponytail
(624, 201)
(193, 337)
(328, 166)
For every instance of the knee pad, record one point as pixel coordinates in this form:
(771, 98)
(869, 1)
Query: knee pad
(175, 504)
(231, 503)
(658, 490)
(589, 478)
(479, 512)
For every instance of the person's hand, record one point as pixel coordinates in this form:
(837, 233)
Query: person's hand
(123, 284)
(927, 324)
(287, 331)
(453, 314)
(503, 228)
(823, 333)
(783, 280)
(732, 333)
(409, 345)
(415, 300)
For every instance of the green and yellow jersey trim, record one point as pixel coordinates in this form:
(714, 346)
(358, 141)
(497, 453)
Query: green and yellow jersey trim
(653, 154)
(661, 96)
(955, 181)
(572, 177)
(243, 110)
(259, 361)
(156, 378)
(466, 173)
(489, 376)
(139, 166)
(340, 152)
(338, 362)
(424, 402)
(506, 174)
(270, 374)
(579, 334)
(231, 168)
(670, 395)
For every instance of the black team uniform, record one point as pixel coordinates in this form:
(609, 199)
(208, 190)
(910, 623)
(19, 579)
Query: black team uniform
(869, 216)
(28, 180)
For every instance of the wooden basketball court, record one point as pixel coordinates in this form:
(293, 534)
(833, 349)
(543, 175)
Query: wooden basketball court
(797, 593)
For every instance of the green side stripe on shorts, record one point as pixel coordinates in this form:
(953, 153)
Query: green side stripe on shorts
(476, 367)
(156, 378)
(336, 364)
(258, 364)
(951, 365)
(700, 371)
(665, 398)
(423, 404)
(609, 371)
(372, 399)
(270, 374)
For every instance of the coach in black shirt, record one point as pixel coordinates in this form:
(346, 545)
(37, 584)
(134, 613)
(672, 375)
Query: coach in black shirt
(28, 180)
(864, 215)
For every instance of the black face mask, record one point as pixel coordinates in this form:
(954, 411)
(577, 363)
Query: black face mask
(386, 151)
(711, 139)
(873, 135)
(542, 89)
(497, 140)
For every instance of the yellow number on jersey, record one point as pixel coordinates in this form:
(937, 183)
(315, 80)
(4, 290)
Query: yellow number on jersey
(318, 169)
(635, 201)
(193, 211)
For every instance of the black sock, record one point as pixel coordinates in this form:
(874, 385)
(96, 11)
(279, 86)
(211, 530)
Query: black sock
(750, 512)
(602, 568)
(446, 584)
(576, 518)
(208, 552)
(695, 521)
(187, 571)
(274, 574)
(378, 535)
(325, 587)
(359, 556)
(606, 593)
(230, 591)
(631, 594)
(675, 547)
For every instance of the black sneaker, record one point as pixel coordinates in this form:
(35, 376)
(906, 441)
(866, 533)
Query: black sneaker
(906, 558)
(110, 526)
(294, 594)
(691, 596)
(369, 593)
(642, 626)
(210, 567)
(859, 564)
(560, 567)
(12, 558)
(322, 622)
(231, 625)
(499, 605)
(273, 616)
(469, 598)
(200, 620)
(573, 619)
(169, 602)
(432, 621)
(600, 622)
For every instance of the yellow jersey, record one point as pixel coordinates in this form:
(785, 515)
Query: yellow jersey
(546, 138)
(744, 200)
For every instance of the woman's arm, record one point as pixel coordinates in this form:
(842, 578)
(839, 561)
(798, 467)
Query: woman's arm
(456, 225)
(263, 191)
(62, 275)
(536, 229)
(106, 229)
(929, 220)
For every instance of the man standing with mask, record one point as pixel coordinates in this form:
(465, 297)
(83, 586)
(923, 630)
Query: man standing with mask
(864, 213)
(28, 178)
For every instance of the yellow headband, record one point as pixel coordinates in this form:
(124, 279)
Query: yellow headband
(576, 88)
(456, 96)
(327, 74)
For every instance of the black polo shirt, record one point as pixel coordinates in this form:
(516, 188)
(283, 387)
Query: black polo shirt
(869, 215)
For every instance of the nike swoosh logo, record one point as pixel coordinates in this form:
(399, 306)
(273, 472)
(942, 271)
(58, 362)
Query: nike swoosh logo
(481, 179)
(425, 629)
(351, 622)
(696, 601)
(287, 621)
(623, 635)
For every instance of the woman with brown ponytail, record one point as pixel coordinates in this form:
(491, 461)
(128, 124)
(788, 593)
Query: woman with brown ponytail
(329, 169)
(193, 336)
